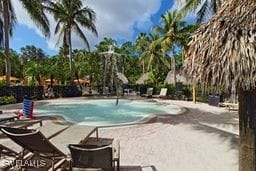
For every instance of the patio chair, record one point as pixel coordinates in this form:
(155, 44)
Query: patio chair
(28, 107)
(106, 91)
(36, 143)
(162, 94)
(149, 93)
(93, 157)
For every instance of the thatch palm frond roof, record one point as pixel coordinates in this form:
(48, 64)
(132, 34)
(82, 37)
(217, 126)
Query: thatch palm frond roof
(223, 50)
(179, 78)
(122, 77)
(143, 78)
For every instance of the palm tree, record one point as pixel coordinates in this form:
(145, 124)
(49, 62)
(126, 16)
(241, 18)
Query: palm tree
(35, 70)
(8, 20)
(153, 56)
(141, 44)
(207, 8)
(174, 34)
(70, 15)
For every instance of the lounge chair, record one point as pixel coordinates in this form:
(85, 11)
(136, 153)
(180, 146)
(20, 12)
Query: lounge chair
(9, 148)
(8, 117)
(94, 157)
(149, 93)
(36, 143)
(106, 91)
(162, 94)
(22, 123)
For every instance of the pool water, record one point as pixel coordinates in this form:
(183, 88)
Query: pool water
(105, 112)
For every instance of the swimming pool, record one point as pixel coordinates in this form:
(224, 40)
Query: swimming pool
(105, 112)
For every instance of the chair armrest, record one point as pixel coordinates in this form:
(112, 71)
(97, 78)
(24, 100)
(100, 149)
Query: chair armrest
(116, 151)
(116, 154)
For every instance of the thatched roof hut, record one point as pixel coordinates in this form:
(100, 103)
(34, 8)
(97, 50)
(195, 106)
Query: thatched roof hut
(179, 78)
(223, 53)
(223, 50)
(122, 77)
(143, 78)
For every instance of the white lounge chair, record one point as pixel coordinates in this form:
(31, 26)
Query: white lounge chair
(149, 93)
(162, 94)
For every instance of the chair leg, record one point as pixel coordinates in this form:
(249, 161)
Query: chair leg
(118, 165)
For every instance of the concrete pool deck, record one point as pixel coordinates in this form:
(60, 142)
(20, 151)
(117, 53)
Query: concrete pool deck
(203, 138)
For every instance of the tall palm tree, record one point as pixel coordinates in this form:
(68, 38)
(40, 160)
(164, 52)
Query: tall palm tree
(141, 44)
(8, 20)
(153, 56)
(70, 15)
(174, 34)
(207, 8)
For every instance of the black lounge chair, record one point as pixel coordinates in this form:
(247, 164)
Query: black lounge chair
(36, 143)
(10, 148)
(94, 157)
(22, 123)
(8, 117)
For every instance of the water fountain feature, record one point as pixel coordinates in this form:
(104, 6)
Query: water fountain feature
(110, 69)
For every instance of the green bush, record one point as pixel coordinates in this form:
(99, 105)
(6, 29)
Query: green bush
(7, 100)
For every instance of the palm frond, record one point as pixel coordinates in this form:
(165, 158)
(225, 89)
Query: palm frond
(36, 11)
(82, 36)
(204, 10)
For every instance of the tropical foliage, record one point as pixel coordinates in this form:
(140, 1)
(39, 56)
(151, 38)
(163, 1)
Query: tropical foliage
(153, 52)
(204, 9)
(8, 20)
(70, 15)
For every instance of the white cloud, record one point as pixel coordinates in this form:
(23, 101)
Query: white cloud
(115, 19)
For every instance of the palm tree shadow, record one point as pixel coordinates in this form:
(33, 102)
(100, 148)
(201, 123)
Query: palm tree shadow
(223, 125)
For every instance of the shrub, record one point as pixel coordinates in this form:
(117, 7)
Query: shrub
(7, 100)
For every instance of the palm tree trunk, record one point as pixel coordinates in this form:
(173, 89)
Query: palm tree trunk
(143, 66)
(70, 54)
(6, 41)
(174, 68)
(247, 130)
(52, 77)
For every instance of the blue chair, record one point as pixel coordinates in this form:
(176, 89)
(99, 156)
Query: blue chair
(28, 106)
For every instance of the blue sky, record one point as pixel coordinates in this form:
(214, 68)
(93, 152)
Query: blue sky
(116, 22)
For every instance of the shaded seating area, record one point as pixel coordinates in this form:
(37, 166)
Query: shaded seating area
(40, 143)
(50, 143)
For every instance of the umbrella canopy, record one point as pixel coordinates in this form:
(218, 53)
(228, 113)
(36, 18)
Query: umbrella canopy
(179, 78)
(48, 81)
(3, 77)
(143, 78)
(122, 77)
(223, 50)
(81, 81)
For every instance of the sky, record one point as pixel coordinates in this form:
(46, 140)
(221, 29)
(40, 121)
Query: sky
(121, 20)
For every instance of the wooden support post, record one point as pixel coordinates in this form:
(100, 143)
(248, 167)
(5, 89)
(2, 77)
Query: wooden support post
(194, 93)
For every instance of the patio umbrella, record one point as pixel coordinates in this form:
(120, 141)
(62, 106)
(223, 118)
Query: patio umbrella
(3, 77)
(122, 77)
(48, 81)
(81, 81)
(223, 53)
(143, 78)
